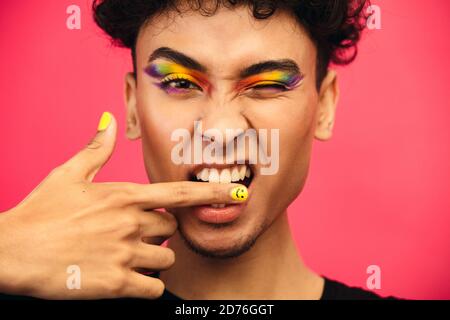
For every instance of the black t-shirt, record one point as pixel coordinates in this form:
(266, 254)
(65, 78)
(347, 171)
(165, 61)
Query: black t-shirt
(333, 290)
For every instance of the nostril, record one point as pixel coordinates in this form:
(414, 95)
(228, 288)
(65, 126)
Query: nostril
(208, 138)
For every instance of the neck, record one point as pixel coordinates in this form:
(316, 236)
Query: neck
(271, 269)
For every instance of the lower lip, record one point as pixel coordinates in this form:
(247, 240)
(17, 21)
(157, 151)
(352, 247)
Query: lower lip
(218, 215)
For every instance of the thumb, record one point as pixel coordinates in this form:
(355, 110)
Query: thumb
(87, 162)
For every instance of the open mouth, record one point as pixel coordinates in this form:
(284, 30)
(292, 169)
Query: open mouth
(241, 173)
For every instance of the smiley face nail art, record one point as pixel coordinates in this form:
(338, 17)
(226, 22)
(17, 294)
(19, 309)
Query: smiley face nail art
(239, 193)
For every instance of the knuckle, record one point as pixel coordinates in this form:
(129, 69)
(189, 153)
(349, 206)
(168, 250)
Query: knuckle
(127, 188)
(181, 194)
(124, 257)
(122, 188)
(113, 197)
(120, 197)
(128, 194)
(108, 198)
(93, 144)
(60, 170)
(129, 222)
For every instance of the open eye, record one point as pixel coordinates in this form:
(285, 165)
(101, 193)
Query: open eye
(179, 84)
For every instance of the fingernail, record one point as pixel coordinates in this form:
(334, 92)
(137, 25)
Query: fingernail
(105, 120)
(239, 193)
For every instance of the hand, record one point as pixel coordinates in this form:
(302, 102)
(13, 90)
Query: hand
(108, 231)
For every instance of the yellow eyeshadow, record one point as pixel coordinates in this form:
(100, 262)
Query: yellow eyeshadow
(170, 71)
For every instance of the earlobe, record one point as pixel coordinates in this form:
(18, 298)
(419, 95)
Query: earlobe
(133, 131)
(328, 99)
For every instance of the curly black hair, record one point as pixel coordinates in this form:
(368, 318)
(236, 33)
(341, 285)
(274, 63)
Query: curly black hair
(335, 26)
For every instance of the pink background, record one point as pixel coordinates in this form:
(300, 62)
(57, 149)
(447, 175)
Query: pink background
(385, 174)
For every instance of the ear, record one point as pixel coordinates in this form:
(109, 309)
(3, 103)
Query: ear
(328, 99)
(133, 131)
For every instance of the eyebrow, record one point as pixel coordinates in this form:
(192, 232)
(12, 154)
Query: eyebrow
(177, 57)
(287, 65)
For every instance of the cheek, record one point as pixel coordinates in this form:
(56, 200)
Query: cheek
(158, 120)
(293, 116)
(295, 120)
(296, 140)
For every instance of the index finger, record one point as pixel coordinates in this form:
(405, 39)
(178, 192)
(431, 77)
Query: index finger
(186, 193)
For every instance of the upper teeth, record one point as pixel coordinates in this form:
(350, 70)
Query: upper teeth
(226, 175)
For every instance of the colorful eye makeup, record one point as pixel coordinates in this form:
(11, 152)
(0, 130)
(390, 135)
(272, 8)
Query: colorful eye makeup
(176, 79)
(272, 79)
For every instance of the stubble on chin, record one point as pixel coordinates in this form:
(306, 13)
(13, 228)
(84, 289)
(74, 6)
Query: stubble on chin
(239, 247)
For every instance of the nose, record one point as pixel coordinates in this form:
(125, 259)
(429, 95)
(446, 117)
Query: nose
(228, 123)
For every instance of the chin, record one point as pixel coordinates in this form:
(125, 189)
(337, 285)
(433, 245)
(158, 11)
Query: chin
(220, 241)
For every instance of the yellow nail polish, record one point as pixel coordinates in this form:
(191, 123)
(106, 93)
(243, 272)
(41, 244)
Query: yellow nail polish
(105, 120)
(239, 193)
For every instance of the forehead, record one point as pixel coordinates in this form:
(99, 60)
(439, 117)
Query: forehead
(228, 39)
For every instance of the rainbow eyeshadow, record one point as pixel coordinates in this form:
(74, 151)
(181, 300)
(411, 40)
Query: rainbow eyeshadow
(170, 71)
(288, 79)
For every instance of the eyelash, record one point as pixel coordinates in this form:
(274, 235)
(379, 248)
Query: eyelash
(268, 84)
(177, 79)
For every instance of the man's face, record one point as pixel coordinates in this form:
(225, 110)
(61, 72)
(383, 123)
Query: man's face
(221, 96)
